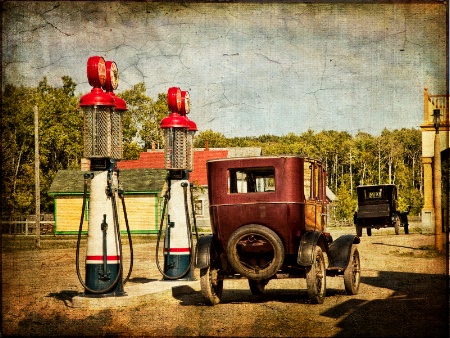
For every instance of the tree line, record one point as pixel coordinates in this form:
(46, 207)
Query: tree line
(394, 156)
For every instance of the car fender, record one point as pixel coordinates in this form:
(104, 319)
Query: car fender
(340, 249)
(203, 252)
(307, 247)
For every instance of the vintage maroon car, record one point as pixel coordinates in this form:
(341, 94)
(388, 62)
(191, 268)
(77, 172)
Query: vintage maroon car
(268, 220)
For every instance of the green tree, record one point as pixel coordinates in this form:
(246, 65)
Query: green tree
(391, 153)
(60, 138)
(365, 159)
(131, 151)
(141, 122)
(214, 140)
(345, 204)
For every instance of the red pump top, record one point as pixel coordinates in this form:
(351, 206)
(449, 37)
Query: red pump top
(96, 73)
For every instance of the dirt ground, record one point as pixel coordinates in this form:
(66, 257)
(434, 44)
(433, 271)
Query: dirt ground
(403, 293)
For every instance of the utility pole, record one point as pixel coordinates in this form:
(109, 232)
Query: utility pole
(36, 174)
(437, 176)
(379, 166)
(351, 175)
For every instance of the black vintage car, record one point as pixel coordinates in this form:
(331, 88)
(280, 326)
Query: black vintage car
(377, 208)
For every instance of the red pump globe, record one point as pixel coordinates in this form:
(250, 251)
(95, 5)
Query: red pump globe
(174, 99)
(112, 76)
(111, 83)
(185, 103)
(96, 71)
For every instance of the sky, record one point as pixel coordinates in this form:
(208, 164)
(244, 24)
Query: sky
(250, 68)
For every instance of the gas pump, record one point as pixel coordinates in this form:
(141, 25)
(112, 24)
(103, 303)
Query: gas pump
(178, 157)
(103, 147)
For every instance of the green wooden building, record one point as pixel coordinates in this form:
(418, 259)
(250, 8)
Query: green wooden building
(142, 196)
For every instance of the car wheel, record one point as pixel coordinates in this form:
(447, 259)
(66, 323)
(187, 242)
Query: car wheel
(211, 285)
(352, 274)
(316, 278)
(358, 230)
(254, 251)
(257, 286)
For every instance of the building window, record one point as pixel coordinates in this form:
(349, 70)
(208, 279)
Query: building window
(199, 208)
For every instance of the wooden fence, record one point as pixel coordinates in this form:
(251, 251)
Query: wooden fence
(26, 227)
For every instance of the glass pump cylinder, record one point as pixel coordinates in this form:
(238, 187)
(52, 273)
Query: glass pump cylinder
(190, 144)
(175, 148)
(102, 132)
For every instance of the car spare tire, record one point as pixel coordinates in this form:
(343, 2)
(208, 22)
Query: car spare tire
(255, 251)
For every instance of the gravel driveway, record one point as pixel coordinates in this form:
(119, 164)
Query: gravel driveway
(403, 293)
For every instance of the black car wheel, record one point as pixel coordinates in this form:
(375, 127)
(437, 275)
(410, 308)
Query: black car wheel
(211, 285)
(352, 274)
(316, 278)
(358, 230)
(255, 251)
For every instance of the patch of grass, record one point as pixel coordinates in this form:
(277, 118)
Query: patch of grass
(28, 243)
(423, 251)
(406, 254)
(428, 251)
(15, 243)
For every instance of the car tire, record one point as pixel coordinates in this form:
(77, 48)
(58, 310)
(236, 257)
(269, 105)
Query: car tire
(358, 230)
(352, 274)
(251, 263)
(316, 277)
(211, 285)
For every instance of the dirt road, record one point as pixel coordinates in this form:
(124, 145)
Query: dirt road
(403, 293)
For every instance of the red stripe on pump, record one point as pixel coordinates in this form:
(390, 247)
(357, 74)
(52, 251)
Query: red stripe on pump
(100, 258)
(178, 250)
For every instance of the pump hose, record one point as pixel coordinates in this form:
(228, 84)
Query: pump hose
(129, 238)
(193, 211)
(77, 256)
(189, 233)
(116, 224)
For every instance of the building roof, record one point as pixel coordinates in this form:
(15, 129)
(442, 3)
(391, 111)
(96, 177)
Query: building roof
(199, 174)
(244, 151)
(68, 182)
(330, 195)
(147, 160)
(155, 159)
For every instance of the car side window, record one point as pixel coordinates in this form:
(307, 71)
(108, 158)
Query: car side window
(307, 178)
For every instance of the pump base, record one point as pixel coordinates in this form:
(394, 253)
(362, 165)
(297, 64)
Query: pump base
(187, 279)
(176, 265)
(96, 283)
(104, 295)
